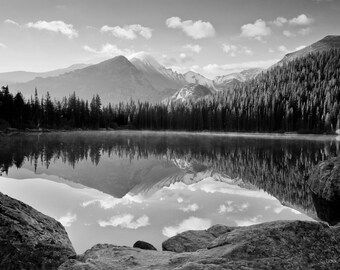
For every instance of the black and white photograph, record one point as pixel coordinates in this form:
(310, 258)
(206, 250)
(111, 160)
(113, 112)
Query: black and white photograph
(169, 134)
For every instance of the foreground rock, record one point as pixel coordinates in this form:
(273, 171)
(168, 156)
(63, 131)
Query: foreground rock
(144, 245)
(190, 241)
(324, 183)
(325, 179)
(29, 239)
(273, 245)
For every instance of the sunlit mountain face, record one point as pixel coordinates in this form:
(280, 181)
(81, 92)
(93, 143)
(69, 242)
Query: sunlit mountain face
(120, 186)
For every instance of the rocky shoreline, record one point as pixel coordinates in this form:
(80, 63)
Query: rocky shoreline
(32, 240)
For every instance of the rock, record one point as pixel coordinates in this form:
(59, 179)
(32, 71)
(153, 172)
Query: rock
(272, 245)
(190, 241)
(144, 245)
(29, 239)
(324, 180)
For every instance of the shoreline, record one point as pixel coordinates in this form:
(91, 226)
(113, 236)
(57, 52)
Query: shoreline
(260, 135)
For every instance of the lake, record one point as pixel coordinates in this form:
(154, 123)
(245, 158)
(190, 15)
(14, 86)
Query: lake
(122, 186)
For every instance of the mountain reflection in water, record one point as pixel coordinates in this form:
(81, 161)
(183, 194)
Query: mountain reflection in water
(125, 164)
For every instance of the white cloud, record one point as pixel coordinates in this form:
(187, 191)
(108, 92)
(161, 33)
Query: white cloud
(180, 200)
(190, 208)
(288, 33)
(249, 222)
(256, 30)
(126, 221)
(55, 26)
(196, 30)
(233, 50)
(237, 67)
(192, 223)
(271, 50)
(109, 50)
(68, 219)
(2, 45)
(301, 20)
(229, 49)
(280, 21)
(193, 47)
(128, 31)
(305, 31)
(231, 207)
(108, 202)
(300, 47)
(9, 21)
(283, 49)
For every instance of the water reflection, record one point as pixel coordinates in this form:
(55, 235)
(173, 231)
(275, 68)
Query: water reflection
(146, 167)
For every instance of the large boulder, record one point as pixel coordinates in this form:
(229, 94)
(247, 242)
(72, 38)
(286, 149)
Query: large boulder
(190, 241)
(324, 180)
(324, 183)
(272, 245)
(144, 245)
(30, 239)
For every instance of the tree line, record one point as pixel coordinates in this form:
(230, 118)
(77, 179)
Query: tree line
(299, 96)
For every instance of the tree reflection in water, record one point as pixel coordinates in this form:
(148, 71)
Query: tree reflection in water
(281, 167)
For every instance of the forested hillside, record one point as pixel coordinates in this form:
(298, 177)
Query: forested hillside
(302, 95)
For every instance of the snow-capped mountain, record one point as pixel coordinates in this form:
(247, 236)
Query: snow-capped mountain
(162, 78)
(196, 78)
(191, 92)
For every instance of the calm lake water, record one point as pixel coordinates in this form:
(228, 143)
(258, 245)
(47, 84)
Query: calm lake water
(120, 187)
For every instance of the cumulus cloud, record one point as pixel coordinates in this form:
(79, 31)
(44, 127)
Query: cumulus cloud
(128, 31)
(190, 208)
(68, 219)
(2, 45)
(288, 33)
(192, 223)
(193, 47)
(233, 50)
(9, 21)
(280, 21)
(55, 26)
(108, 202)
(301, 20)
(108, 49)
(195, 29)
(180, 199)
(126, 221)
(229, 49)
(231, 207)
(256, 30)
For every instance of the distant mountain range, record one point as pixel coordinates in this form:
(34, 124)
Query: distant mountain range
(140, 78)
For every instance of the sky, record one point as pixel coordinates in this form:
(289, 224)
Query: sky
(214, 37)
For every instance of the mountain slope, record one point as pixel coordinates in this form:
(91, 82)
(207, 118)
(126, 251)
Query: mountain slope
(325, 44)
(196, 78)
(25, 76)
(163, 79)
(191, 92)
(230, 80)
(115, 80)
